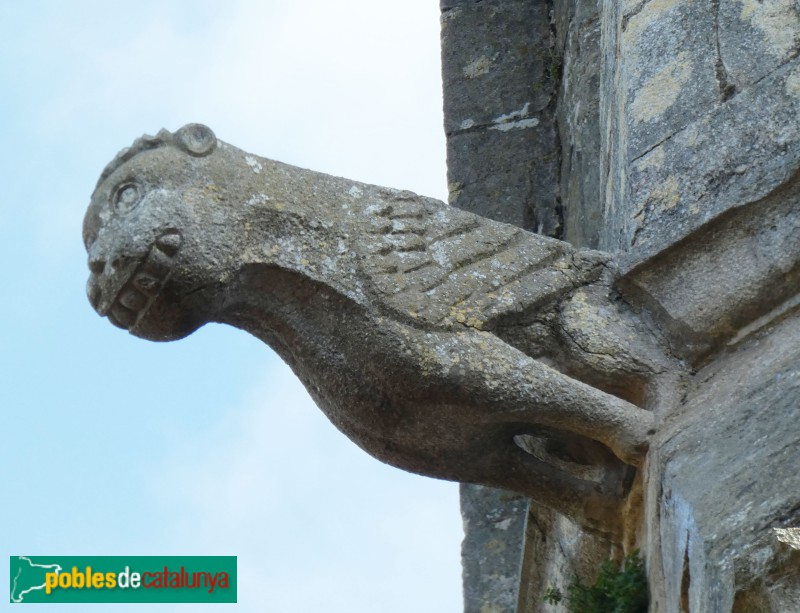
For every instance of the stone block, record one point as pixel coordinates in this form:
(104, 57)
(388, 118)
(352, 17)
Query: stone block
(507, 176)
(723, 476)
(756, 37)
(492, 551)
(577, 26)
(495, 64)
(500, 74)
(736, 154)
(669, 69)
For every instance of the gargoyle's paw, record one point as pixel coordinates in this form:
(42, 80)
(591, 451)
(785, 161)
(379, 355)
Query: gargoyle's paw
(145, 283)
(634, 441)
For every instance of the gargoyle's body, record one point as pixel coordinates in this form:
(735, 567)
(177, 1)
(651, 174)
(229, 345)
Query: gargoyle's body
(422, 331)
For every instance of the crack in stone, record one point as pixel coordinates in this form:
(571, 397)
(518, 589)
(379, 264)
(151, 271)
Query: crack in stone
(788, 61)
(558, 209)
(726, 88)
(635, 11)
(735, 94)
(580, 346)
(659, 143)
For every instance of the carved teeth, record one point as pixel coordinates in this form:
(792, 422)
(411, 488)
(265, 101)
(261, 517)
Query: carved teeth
(133, 299)
(135, 296)
(157, 264)
(147, 284)
(122, 316)
(169, 243)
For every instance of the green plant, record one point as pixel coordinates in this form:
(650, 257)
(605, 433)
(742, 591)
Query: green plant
(553, 595)
(616, 590)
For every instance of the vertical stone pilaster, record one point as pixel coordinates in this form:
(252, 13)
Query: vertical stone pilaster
(501, 72)
(494, 538)
(522, 118)
(632, 126)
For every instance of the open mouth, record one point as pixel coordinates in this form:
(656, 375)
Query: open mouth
(146, 282)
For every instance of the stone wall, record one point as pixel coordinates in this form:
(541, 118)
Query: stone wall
(500, 76)
(669, 133)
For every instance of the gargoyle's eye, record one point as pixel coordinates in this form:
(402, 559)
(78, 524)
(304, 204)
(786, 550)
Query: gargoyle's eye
(126, 197)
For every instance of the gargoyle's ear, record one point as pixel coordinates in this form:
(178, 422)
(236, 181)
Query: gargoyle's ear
(196, 139)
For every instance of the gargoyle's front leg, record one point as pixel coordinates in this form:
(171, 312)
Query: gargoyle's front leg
(594, 504)
(507, 386)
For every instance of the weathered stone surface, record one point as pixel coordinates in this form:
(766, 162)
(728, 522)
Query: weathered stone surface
(497, 60)
(699, 112)
(361, 289)
(669, 69)
(500, 76)
(501, 163)
(494, 533)
(556, 551)
(664, 130)
(719, 281)
(737, 154)
(723, 474)
(679, 148)
(577, 28)
(756, 37)
(489, 189)
(500, 72)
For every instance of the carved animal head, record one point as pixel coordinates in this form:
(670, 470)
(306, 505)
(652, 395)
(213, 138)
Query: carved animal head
(142, 229)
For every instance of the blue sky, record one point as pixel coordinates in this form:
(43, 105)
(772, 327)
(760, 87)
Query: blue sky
(207, 446)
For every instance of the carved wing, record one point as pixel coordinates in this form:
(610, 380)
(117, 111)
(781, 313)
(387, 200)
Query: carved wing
(440, 266)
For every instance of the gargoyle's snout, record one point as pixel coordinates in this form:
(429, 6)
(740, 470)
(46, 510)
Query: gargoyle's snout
(124, 289)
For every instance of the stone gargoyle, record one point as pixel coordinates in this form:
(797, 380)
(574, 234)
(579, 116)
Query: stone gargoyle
(440, 342)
